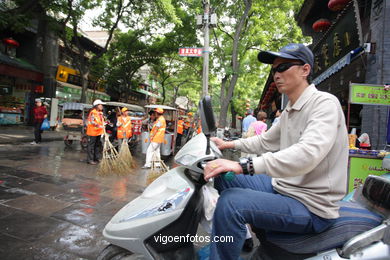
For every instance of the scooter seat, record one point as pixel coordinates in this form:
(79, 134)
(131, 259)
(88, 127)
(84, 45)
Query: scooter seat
(354, 219)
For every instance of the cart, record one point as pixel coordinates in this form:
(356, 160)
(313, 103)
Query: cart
(73, 120)
(170, 115)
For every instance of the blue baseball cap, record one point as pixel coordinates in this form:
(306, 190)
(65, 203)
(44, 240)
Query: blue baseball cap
(296, 51)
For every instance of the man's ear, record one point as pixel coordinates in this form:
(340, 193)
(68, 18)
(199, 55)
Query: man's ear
(306, 70)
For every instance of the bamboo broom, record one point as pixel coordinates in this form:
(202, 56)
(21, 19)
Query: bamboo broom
(158, 168)
(108, 164)
(126, 163)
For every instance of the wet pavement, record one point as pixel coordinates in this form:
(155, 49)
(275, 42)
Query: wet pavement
(53, 205)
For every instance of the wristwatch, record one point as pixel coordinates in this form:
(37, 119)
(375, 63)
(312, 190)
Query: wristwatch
(247, 165)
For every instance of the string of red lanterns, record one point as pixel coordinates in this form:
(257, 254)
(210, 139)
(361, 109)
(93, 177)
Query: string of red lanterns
(321, 25)
(11, 42)
(337, 5)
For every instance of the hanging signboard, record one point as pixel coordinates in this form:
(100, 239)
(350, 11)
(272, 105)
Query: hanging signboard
(367, 94)
(191, 52)
(344, 35)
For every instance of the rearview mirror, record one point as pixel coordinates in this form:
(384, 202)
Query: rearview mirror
(207, 116)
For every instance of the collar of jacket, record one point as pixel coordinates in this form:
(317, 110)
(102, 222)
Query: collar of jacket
(303, 99)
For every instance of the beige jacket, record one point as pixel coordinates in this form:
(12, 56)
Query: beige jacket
(306, 153)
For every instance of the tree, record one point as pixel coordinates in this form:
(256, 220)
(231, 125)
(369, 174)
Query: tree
(147, 45)
(70, 13)
(243, 29)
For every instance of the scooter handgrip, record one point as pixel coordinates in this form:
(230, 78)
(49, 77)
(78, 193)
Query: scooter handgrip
(229, 176)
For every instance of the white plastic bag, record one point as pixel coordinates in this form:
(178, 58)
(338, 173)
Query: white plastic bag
(210, 199)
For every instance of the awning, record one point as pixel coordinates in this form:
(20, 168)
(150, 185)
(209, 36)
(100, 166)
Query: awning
(339, 65)
(333, 69)
(131, 107)
(19, 68)
(160, 106)
(74, 91)
(147, 93)
(75, 106)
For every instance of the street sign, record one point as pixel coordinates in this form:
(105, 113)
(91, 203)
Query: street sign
(190, 52)
(366, 94)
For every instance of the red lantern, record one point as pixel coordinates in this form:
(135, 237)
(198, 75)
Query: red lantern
(321, 25)
(39, 89)
(10, 42)
(337, 5)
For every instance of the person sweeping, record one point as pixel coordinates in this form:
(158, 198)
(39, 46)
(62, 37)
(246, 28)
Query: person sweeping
(124, 133)
(95, 128)
(156, 138)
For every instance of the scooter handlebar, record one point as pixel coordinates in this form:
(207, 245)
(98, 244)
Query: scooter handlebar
(229, 176)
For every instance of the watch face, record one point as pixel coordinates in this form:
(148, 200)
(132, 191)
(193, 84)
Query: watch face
(243, 160)
(244, 165)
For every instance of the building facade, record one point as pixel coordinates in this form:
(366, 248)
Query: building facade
(350, 42)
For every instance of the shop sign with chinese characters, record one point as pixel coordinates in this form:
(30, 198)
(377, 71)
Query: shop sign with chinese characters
(190, 52)
(343, 36)
(369, 94)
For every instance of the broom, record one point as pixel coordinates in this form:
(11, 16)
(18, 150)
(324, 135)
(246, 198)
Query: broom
(125, 160)
(110, 154)
(158, 168)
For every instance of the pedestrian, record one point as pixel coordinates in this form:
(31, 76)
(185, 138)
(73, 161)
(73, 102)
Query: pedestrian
(95, 130)
(302, 170)
(187, 124)
(249, 119)
(180, 131)
(277, 116)
(258, 127)
(124, 127)
(199, 127)
(39, 113)
(156, 138)
(147, 124)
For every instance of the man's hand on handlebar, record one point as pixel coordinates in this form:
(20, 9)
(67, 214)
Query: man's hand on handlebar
(221, 144)
(216, 167)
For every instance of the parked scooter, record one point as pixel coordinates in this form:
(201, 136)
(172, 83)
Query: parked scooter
(160, 223)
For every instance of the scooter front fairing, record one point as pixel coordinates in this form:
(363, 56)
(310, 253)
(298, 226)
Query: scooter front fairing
(160, 204)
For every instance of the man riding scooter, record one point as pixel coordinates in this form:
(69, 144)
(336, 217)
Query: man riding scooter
(302, 170)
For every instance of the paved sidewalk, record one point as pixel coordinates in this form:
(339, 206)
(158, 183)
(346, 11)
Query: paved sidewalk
(25, 134)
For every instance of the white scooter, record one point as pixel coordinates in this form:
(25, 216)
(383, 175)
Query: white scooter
(162, 222)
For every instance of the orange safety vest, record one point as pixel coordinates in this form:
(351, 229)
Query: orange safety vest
(95, 123)
(125, 127)
(180, 127)
(187, 124)
(158, 130)
(199, 129)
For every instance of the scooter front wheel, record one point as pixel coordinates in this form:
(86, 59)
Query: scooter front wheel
(113, 252)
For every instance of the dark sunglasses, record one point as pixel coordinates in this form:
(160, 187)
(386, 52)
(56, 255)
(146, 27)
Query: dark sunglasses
(284, 66)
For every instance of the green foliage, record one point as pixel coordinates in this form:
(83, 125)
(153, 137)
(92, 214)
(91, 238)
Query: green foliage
(270, 26)
(158, 28)
(169, 10)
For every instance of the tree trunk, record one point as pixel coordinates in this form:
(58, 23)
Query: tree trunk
(84, 82)
(225, 100)
(234, 114)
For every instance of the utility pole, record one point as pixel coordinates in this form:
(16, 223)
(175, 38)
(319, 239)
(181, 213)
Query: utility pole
(206, 47)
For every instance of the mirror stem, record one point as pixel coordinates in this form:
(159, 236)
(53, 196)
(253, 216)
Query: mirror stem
(208, 145)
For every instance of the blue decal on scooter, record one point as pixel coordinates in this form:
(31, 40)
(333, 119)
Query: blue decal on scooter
(168, 205)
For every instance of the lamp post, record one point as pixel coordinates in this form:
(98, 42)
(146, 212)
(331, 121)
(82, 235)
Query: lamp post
(206, 47)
